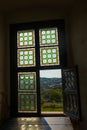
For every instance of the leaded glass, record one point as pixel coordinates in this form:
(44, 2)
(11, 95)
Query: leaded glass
(25, 38)
(27, 102)
(49, 56)
(27, 81)
(26, 57)
(48, 36)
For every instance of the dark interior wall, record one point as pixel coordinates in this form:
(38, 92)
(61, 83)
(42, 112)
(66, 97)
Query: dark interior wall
(3, 87)
(78, 37)
(1, 64)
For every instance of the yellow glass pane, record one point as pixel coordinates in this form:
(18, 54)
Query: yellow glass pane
(26, 57)
(26, 38)
(27, 102)
(27, 81)
(48, 36)
(49, 56)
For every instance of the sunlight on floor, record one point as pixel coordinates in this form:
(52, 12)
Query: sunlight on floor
(37, 123)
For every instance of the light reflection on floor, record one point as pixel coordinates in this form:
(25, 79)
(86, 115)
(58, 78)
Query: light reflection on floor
(37, 123)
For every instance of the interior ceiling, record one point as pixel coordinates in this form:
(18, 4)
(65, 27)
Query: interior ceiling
(16, 4)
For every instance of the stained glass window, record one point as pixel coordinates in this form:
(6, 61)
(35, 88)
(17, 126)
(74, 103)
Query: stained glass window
(26, 57)
(27, 102)
(27, 81)
(27, 91)
(49, 51)
(48, 36)
(49, 56)
(25, 38)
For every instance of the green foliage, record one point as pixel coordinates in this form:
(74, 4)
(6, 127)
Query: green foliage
(55, 95)
(51, 100)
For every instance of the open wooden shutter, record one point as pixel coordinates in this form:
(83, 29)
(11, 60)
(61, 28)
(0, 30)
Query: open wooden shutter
(71, 92)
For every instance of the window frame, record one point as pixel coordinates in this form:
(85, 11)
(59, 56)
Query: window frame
(14, 28)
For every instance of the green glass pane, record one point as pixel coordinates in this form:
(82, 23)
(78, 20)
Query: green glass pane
(27, 81)
(26, 57)
(48, 36)
(49, 56)
(27, 102)
(25, 38)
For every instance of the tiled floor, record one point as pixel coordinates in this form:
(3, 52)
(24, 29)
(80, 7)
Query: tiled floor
(37, 123)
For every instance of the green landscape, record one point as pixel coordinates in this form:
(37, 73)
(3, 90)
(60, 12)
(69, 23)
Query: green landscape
(51, 95)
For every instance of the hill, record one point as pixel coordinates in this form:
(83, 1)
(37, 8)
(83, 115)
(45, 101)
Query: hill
(48, 83)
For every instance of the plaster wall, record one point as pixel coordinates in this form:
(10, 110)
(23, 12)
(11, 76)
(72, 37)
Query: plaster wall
(78, 37)
(2, 61)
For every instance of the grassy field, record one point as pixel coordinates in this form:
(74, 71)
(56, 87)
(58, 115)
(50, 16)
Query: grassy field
(50, 107)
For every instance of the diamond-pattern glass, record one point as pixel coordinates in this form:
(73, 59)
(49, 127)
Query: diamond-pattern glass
(48, 36)
(27, 102)
(25, 38)
(27, 81)
(49, 56)
(26, 57)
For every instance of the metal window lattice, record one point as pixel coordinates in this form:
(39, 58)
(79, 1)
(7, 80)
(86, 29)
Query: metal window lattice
(27, 102)
(26, 57)
(49, 56)
(27, 81)
(48, 36)
(26, 38)
(69, 80)
(71, 103)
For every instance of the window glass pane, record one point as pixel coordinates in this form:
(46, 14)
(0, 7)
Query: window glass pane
(25, 38)
(27, 81)
(48, 36)
(26, 57)
(27, 102)
(49, 56)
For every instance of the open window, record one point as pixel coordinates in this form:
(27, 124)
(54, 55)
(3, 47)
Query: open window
(36, 48)
(71, 93)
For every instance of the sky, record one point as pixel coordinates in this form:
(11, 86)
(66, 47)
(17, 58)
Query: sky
(50, 73)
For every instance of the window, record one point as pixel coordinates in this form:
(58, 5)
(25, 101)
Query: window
(36, 48)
